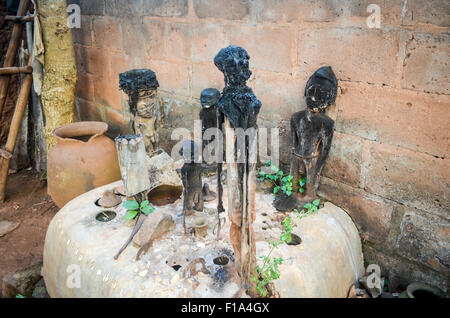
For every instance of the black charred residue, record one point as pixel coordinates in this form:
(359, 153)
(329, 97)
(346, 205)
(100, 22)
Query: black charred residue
(238, 102)
(136, 80)
(321, 89)
(220, 278)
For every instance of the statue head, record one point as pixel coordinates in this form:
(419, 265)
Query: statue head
(209, 97)
(321, 89)
(141, 87)
(232, 61)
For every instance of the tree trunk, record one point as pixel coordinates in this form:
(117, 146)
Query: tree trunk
(58, 87)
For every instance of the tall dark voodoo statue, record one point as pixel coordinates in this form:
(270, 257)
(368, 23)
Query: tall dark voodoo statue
(141, 86)
(311, 133)
(240, 109)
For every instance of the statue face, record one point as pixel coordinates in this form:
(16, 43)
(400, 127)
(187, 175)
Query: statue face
(147, 103)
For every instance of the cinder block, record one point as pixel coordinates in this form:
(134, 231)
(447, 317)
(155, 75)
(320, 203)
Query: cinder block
(425, 67)
(166, 8)
(230, 10)
(270, 48)
(344, 160)
(358, 55)
(83, 35)
(411, 178)
(107, 33)
(205, 75)
(173, 77)
(296, 11)
(404, 118)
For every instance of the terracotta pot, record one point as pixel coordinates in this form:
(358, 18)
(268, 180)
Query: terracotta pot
(83, 159)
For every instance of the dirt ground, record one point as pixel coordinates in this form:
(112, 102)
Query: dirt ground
(27, 202)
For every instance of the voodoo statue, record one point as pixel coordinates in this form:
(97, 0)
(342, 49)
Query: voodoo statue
(311, 134)
(191, 176)
(212, 118)
(141, 86)
(240, 109)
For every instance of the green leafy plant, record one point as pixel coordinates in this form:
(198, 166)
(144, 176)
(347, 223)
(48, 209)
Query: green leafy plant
(308, 209)
(269, 271)
(301, 183)
(20, 296)
(278, 179)
(134, 208)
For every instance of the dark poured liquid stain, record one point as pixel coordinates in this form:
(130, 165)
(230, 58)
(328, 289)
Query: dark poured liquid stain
(164, 195)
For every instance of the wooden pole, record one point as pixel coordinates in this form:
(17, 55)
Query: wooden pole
(135, 176)
(16, 70)
(19, 19)
(21, 104)
(11, 53)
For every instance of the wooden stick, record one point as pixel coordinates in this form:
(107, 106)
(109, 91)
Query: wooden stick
(21, 104)
(16, 70)
(11, 53)
(19, 19)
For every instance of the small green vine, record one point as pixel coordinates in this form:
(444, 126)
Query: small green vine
(269, 270)
(308, 209)
(280, 180)
(133, 209)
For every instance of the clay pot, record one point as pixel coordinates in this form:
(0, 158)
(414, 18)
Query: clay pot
(83, 159)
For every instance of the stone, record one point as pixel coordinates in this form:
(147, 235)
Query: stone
(425, 239)
(162, 171)
(7, 227)
(22, 281)
(374, 290)
(154, 227)
(40, 291)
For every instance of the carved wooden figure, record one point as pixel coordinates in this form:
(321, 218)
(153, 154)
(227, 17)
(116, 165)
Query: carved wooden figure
(312, 133)
(141, 86)
(240, 109)
(191, 175)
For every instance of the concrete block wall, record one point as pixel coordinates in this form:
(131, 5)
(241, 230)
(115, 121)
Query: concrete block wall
(389, 166)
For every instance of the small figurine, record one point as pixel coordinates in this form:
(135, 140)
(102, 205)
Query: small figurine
(312, 133)
(191, 175)
(141, 86)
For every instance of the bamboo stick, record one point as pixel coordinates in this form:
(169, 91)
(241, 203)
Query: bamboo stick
(19, 19)
(21, 104)
(16, 70)
(11, 53)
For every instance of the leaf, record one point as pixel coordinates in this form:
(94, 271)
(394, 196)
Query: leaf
(131, 214)
(144, 204)
(288, 193)
(308, 206)
(20, 296)
(147, 210)
(301, 190)
(316, 202)
(131, 205)
(268, 163)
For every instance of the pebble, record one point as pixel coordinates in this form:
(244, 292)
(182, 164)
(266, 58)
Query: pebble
(175, 279)
(143, 273)
(184, 248)
(158, 279)
(201, 245)
(158, 256)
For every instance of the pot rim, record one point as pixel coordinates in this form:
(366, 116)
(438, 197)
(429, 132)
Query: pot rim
(80, 128)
